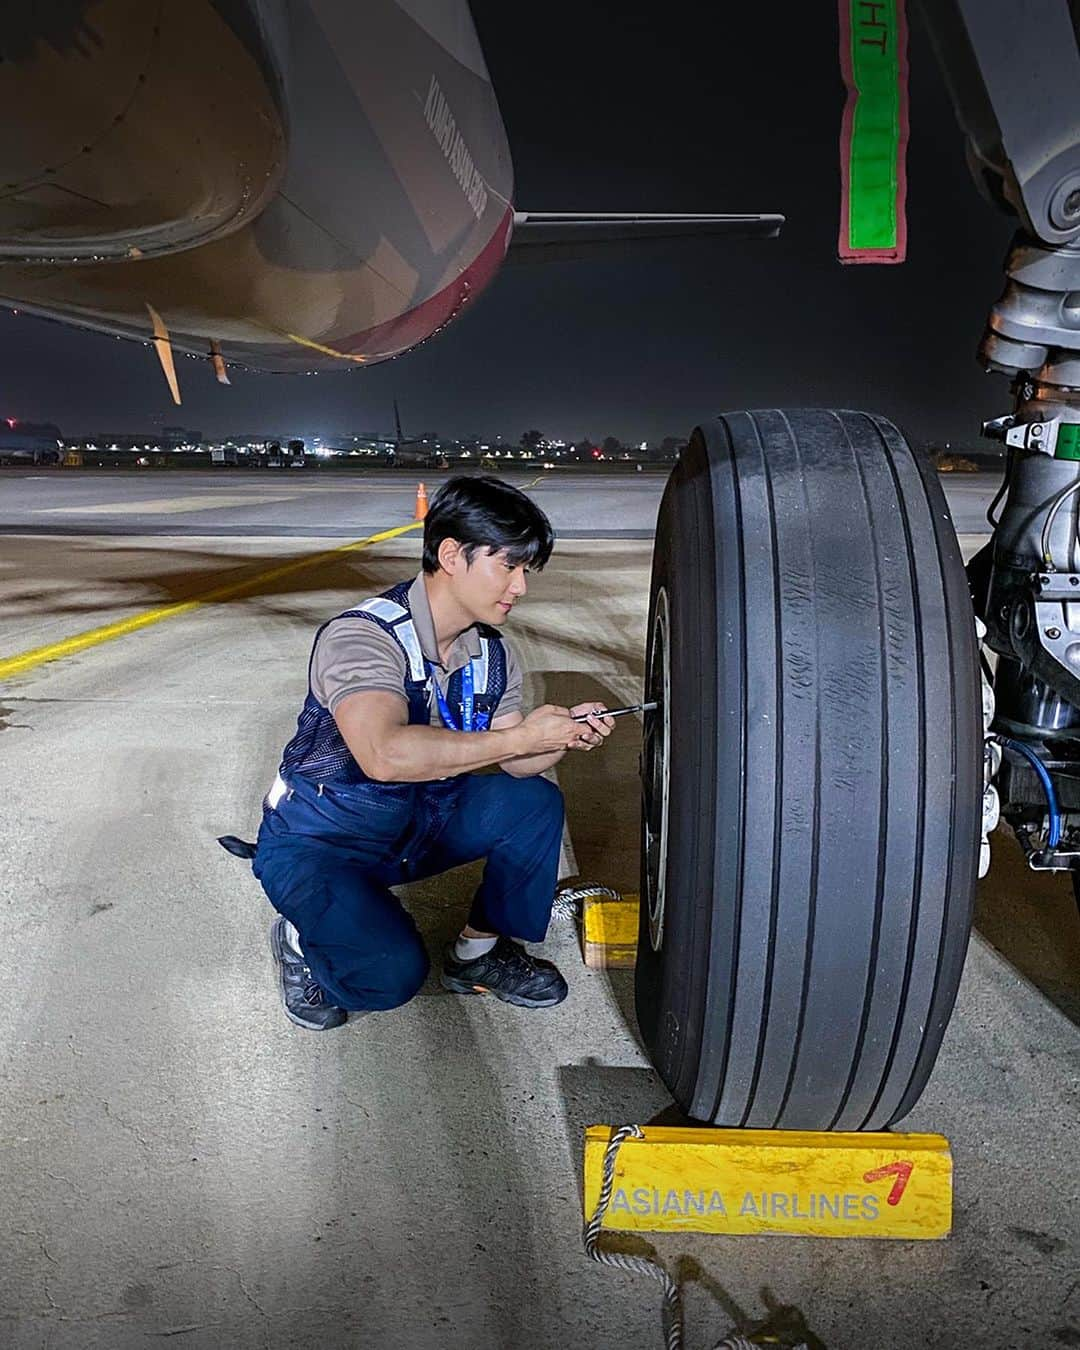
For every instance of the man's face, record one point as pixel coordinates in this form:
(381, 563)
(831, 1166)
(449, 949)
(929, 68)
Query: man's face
(490, 586)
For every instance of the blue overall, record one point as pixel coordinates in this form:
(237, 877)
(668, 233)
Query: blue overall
(329, 851)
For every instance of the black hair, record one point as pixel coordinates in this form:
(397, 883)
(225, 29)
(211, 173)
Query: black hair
(485, 512)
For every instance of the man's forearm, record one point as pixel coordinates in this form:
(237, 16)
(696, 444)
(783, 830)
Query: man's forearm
(416, 754)
(528, 766)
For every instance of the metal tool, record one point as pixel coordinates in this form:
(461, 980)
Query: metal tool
(617, 712)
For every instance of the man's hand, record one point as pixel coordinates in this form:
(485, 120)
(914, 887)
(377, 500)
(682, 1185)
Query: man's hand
(547, 729)
(588, 735)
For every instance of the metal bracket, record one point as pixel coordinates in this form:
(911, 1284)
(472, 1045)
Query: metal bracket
(1039, 625)
(1055, 637)
(1039, 436)
(1046, 860)
(1058, 586)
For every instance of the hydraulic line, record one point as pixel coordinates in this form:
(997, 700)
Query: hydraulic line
(1054, 836)
(990, 519)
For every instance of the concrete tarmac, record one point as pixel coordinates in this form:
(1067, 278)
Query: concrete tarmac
(284, 502)
(178, 1162)
(290, 502)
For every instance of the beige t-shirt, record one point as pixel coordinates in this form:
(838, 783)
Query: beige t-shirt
(357, 656)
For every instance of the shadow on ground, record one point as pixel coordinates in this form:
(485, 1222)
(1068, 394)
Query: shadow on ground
(1033, 921)
(136, 576)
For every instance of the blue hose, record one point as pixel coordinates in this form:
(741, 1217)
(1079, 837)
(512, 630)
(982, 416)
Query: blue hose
(1048, 787)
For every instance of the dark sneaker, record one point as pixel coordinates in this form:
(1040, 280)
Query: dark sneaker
(508, 972)
(304, 999)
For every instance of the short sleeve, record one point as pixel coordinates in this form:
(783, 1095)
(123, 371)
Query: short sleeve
(355, 656)
(511, 699)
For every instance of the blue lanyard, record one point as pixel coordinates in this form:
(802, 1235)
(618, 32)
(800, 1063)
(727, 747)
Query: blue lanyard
(470, 719)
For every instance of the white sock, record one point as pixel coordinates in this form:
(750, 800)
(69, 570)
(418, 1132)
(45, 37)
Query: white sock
(292, 937)
(468, 949)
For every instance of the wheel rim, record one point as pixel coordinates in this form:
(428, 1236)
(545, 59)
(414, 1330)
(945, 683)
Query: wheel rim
(656, 777)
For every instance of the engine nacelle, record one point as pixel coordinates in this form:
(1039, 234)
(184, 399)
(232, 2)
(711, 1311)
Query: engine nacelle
(143, 128)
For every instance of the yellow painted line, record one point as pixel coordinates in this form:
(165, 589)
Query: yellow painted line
(37, 656)
(775, 1182)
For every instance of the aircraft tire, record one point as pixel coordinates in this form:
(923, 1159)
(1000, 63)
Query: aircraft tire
(806, 893)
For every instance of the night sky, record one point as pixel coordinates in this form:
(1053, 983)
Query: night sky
(619, 106)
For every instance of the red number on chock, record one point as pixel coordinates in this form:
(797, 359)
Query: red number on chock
(901, 1170)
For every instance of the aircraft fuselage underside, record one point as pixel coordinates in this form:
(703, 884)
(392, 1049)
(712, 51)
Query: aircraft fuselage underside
(333, 207)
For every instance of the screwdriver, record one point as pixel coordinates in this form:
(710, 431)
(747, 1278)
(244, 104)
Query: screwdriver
(618, 712)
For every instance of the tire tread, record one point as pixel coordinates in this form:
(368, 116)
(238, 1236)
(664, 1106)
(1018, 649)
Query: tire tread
(841, 668)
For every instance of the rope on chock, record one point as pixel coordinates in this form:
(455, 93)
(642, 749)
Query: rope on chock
(637, 1265)
(569, 899)
(642, 1265)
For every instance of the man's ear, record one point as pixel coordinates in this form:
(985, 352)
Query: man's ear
(451, 557)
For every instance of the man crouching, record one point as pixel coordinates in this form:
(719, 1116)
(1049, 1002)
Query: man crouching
(409, 694)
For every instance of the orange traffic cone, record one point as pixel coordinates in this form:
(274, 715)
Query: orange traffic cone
(421, 502)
